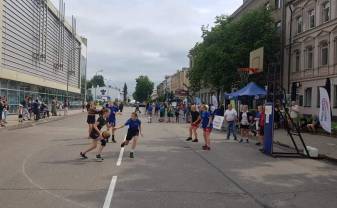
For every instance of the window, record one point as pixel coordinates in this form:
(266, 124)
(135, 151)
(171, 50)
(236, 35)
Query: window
(307, 97)
(301, 100)
(297, 60)
(335, 97)
(318, 97)
(324, 54)
(326, 12)
(278, 4)
(278, 26)
(309, 58)
(335, 49)
(311, 15)
(299, 22)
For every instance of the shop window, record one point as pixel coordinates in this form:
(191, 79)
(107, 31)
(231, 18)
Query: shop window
(307, 97)
(300, 98)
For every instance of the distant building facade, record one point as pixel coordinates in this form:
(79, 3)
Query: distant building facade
(312, 49)
(42, 55)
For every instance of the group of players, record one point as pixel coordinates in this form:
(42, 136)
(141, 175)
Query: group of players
(107, 118)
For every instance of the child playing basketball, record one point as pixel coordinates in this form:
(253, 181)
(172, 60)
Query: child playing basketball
(133, 132)
(96, 135)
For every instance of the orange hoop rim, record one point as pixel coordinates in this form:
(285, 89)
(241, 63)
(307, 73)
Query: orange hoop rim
(248, 70)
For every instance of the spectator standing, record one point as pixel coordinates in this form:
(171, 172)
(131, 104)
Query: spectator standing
(244, 123)
(36, 110)
(1, 111)
(65, 107)
(54, 107)
(24, 104)
(231, 117)
(260, 119)
(5, 110)
(294, 112)
(20, 113)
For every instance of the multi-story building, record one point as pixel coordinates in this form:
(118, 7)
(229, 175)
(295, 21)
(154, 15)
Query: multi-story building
(312, 48)
(180, 83)
(42, 55)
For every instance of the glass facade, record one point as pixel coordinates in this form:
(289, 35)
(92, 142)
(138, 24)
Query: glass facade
(16, 91)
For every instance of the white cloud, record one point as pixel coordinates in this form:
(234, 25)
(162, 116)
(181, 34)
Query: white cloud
(133, 37)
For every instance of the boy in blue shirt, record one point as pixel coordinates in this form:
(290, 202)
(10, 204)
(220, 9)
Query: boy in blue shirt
(133, 132)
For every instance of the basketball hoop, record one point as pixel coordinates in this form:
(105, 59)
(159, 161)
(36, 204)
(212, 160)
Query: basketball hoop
(248, 70)
(244, 74)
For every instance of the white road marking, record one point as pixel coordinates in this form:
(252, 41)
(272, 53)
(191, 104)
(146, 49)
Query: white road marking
(44, 189)
(120, 158)
(110, 193)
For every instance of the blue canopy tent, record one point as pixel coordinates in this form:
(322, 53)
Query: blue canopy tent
(250, 90)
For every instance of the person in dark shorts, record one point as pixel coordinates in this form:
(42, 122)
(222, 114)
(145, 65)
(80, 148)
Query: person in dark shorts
(194, 124)
(97, 135)
(91, 118)
(133, 132)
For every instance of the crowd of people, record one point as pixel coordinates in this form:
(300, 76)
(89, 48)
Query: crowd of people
(32, 109)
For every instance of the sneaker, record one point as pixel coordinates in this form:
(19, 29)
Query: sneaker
(189, 139)
(123, 144)
(195, 140)
(132, 155)
(113, 140)
(99, 158)
(247, 141)
(258, 144)
(208, 148)
(235, 139)
(83, 155)
(204, 147)
(241, 140)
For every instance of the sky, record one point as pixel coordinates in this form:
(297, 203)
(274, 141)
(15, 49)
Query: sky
(128, 38)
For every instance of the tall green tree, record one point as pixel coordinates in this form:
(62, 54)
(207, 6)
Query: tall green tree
(226, 47)
(125, 92)
(144, 88)
(95, 81)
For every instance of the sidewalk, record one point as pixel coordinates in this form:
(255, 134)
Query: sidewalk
(12, 120)
(327, 146)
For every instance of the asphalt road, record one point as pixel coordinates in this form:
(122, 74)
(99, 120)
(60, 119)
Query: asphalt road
(40, 168)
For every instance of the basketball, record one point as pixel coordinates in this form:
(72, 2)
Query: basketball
(106, 134)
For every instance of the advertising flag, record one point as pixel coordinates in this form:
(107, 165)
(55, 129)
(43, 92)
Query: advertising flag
(325, 110)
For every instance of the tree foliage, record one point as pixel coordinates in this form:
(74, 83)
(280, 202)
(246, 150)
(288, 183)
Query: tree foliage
(125, 92)
(96, 80)
(226, 47)
(144, 88)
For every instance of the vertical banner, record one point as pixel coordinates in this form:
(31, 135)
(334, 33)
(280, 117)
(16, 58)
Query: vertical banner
(217, 122)
(215, 101)
(325, 110)
(268, 129)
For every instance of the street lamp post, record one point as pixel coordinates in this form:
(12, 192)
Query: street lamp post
(68, 73)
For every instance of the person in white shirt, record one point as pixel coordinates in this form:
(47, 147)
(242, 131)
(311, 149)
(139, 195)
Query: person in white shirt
(230, 118)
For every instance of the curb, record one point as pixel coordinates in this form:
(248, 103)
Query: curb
(36, 123)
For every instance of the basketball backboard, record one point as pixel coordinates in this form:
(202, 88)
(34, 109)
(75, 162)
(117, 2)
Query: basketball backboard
(256, 59)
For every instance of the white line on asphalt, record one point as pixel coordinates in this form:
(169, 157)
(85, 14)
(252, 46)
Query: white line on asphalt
(120, 158)
(110, 193)
(44, 189)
